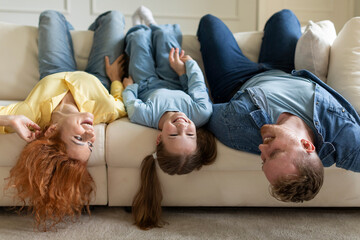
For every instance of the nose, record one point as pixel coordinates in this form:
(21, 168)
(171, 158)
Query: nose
(89, 135)
(263, 149)
(181, 127)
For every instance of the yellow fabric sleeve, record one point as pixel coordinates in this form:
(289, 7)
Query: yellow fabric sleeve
(116, 89)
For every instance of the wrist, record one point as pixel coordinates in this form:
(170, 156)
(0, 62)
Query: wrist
(5, 120)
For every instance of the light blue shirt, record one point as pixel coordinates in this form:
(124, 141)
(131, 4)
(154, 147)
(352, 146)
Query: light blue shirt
(147, 101)
(285, 93)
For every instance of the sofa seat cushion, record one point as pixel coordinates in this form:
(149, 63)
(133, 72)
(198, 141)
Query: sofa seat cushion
(127, 144)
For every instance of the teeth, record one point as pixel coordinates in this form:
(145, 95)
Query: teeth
(267, 139)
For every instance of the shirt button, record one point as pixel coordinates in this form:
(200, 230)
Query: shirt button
(316, 123)
(343, 110)
(317, 103)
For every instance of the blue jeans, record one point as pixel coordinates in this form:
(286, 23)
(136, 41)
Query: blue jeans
(56, 53)
(227, 68)
(148, 48)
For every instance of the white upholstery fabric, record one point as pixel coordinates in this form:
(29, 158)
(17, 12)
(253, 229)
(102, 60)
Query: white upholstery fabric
(313, 48)
(19, 65)
(344, 68)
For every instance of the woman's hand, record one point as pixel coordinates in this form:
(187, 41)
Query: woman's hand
(116, 70)
(128, 81)
(177, 61)
(24, 127)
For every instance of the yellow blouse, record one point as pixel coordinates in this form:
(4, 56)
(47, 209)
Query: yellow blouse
(88, 92)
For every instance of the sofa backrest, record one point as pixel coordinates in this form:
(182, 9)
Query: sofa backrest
(19, 55)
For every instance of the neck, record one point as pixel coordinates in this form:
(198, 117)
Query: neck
(294, 122)
(163, 118)
(66, 106)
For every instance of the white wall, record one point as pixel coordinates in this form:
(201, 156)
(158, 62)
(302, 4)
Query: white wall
(239, 15)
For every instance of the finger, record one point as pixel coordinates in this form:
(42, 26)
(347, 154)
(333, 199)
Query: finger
(34, 126)
(177, 59)
(122, 61)
(119, 58)
(107, 62)
(171, 55)
(182, 53)
(37, 134)
(31, 137)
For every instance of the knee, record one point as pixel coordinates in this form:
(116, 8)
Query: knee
(50, 14)
(112, 16)
(284, 14)
(207, 19)
(115, 15)
(140, 32)
(165, 30)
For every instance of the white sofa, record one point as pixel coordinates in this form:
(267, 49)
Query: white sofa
(235, 179)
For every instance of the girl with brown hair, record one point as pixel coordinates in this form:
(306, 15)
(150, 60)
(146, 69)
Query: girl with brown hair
(51, 176)
(169, 94)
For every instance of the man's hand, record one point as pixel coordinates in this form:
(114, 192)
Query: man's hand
(24, 127)
(128, 81)
(116, 70)
(177, 61)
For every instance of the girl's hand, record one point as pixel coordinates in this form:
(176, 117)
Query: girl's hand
(177, 61)
(24, 127)
(128, 81)
(116, 70)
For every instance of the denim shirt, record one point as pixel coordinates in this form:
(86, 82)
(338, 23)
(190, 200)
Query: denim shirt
(237, 123)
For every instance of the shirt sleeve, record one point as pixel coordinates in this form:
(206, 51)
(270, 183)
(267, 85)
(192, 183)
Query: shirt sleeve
(194, 85)
(138, 111)
(116, 90)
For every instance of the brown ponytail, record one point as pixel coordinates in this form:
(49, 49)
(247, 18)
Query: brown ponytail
(146, 206)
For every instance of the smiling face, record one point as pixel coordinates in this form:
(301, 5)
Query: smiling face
(280, 148)
(178, 134)
(77, 132)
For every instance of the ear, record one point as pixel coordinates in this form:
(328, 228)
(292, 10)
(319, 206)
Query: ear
(51, 130)
(158, 139)
(307, 145)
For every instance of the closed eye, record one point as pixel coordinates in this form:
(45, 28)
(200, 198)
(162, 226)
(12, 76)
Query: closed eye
(78, 138)
(173, 135)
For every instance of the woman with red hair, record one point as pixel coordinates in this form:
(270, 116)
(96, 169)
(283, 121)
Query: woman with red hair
(50, 175)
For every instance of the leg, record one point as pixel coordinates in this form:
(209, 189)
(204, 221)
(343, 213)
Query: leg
(139, 48)
(281, 34)
(226, 67)
(164, 38)
(56, 53)
(108, 41)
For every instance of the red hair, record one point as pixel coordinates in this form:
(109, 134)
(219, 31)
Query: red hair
(50, 183)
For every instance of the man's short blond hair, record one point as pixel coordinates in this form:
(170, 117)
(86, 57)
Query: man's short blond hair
(305, 185)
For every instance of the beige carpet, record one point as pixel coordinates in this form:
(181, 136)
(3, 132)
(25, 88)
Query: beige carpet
(198, 223)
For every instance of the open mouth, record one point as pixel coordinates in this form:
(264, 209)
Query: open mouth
(180, 119)
(267, 139)
(87, 122)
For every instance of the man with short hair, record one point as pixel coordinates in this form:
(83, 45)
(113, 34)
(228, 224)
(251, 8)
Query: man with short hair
(295, 121)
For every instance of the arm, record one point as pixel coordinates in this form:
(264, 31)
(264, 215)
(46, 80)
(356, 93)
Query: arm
(191, 78)
(138, 111)
(23, 126)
